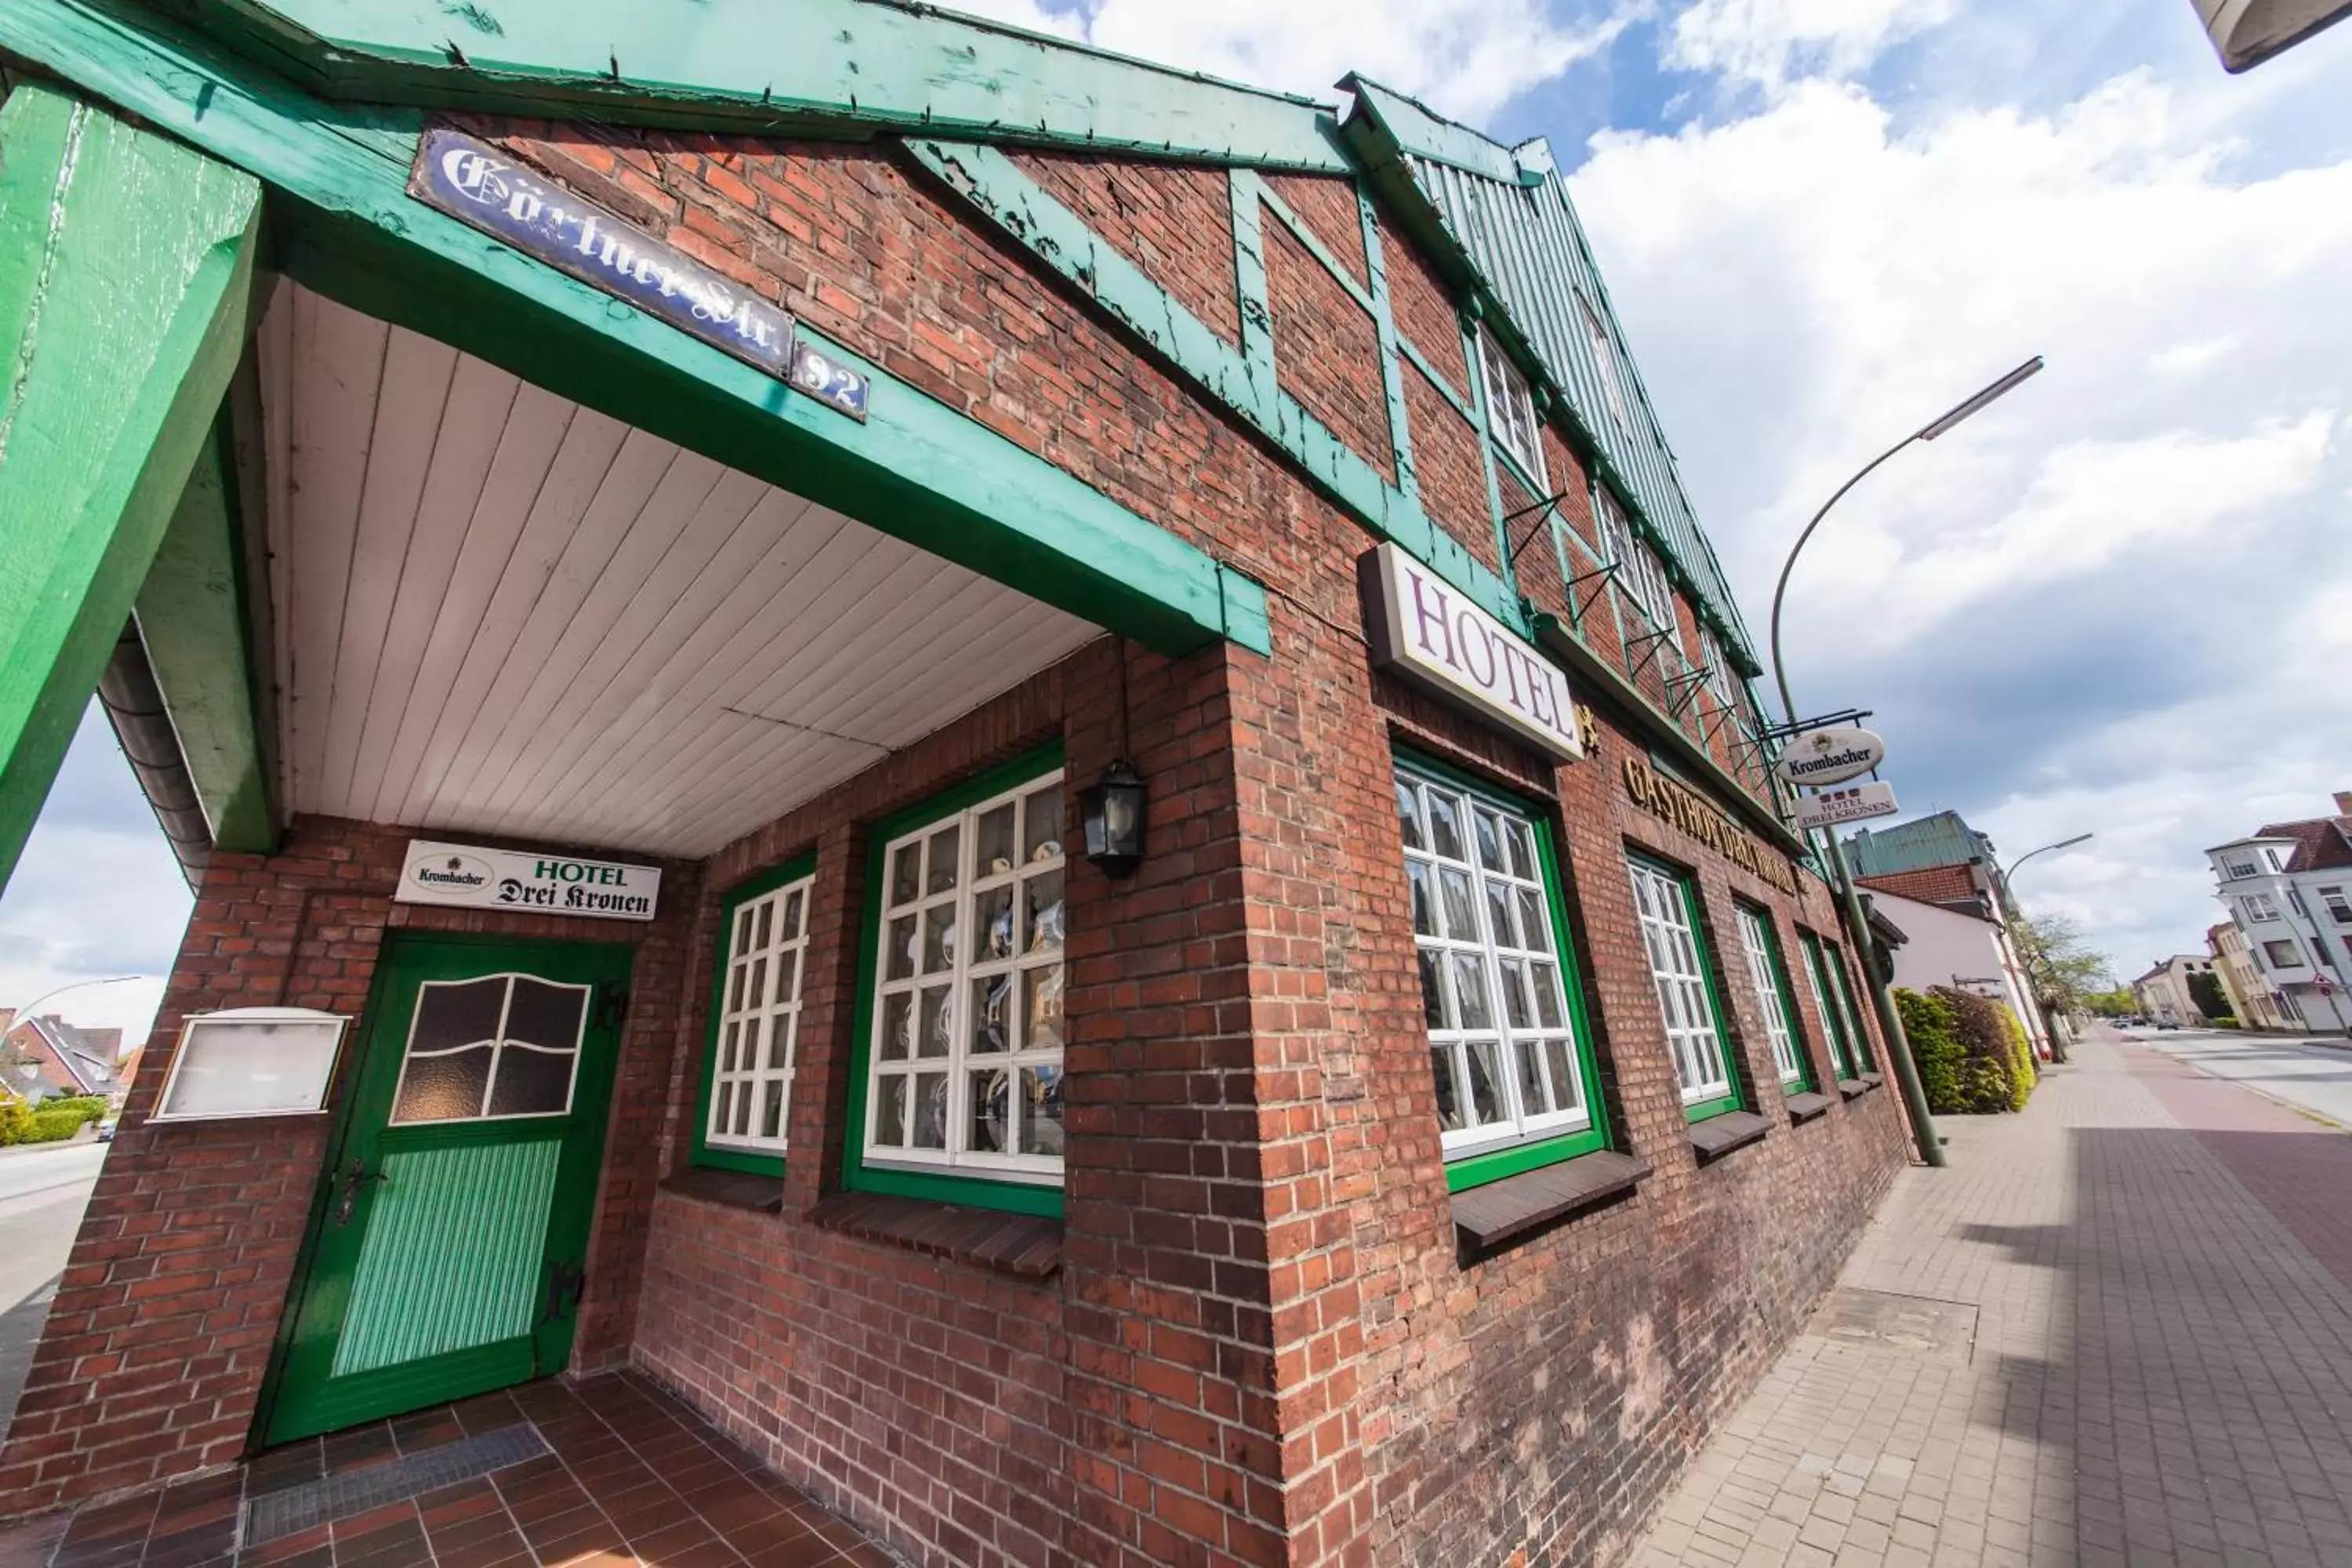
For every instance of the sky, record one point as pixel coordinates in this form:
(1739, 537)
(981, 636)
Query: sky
(2118, 602)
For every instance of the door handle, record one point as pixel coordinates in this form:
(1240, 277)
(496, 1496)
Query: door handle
(566, 1283)
(358, 1178)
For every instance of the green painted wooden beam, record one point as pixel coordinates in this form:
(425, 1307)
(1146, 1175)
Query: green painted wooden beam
(918, 470)
(771, 67)
(125, 268)
(192, 617)
(996, 188)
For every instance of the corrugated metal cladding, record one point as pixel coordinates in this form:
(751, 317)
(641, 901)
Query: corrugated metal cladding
(1527, 242)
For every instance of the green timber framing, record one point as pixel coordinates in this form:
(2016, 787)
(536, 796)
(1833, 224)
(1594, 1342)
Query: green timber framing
(338, 218)
(340, 221)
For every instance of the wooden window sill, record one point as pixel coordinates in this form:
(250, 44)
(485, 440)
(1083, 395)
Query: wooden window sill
(1024, 1246)
(1805, 1107)
(731, 1189)
(1719, 1135)
(1493, 1213)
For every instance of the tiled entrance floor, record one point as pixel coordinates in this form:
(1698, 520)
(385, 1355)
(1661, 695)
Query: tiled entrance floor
(630, 1476)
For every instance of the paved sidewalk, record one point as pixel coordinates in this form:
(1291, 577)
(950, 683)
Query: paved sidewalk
(2117, 1330)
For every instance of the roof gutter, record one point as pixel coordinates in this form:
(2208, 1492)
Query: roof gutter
(142, 727)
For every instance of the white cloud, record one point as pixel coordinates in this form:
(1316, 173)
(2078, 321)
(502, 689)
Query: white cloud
(1805, 282)
(1466, 58)
(1764, 41)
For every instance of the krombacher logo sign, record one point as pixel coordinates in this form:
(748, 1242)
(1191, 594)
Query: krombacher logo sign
(1703, 820)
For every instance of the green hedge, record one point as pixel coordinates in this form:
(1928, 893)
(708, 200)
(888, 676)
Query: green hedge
(1972, 1054)
(52, 1122)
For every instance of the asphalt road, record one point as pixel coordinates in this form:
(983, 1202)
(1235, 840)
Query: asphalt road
(2316, 1079)
(42, 1192)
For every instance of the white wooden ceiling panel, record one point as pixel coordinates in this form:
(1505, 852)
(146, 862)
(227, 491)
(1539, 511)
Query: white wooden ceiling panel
(499, 612)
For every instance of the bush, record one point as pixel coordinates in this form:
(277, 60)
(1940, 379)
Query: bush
(54, 1126)
(90, 1107)
(1972, 1055)
(1933, 1028)
(15, 1122)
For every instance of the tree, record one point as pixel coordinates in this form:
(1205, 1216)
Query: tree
(2118, 1002)
(2065, 972)
(2205, 990)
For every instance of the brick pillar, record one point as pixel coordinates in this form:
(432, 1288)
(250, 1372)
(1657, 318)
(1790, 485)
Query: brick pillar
(1170, 1381)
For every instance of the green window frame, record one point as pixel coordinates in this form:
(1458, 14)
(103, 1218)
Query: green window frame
(1500, 985)
(1833, 1022)
(1682, 969)
(1769, 972)
(1845, 990)
(911, 897)
(742, 1114)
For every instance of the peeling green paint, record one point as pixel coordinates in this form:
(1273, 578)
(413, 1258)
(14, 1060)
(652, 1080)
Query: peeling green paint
(191, 618)
(916, 469)
(125, 270)
(763, 64)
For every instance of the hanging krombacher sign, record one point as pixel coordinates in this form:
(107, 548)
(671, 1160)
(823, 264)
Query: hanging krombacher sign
(1705, 821)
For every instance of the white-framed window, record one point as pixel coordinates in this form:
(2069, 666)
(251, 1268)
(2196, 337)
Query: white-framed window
(2258, 907)
(1605, 356)
(965, 1067)
(1511, 409)
(1493, 988)
(1832, 1023)
(1664, 901)
(2282, 955)
(1719, 666)
(2295, 901)
(1764, 970)
(2242, 868)
(1638, 571)
(2338, 907)
(748, 1109)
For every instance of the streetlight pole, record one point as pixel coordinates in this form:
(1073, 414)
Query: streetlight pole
(1857, 923)
(2044, 975)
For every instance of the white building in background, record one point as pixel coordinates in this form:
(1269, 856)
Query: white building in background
(1952, 938)
(2256, 1002)
(2288, 887)
(2163, 994)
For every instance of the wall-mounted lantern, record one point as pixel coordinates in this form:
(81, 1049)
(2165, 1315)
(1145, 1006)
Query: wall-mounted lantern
(1110, 815)
(251, 1061)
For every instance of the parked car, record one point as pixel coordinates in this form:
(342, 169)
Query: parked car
(2166, 1024)
(106, 1130)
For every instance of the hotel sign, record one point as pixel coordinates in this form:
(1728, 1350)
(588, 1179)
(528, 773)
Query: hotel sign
(1430, 632)
(1849, 803)
(1700, 817)
(471, 877)
(481, 186)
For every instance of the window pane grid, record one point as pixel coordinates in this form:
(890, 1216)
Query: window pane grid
(1672, 944)
(1510, 408)
(759, 1023)
(1494, 995)
(965, 1067)
(1840, 1048)
(1778, 1026)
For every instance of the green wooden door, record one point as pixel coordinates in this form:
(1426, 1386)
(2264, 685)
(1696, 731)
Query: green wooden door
(453, 1230)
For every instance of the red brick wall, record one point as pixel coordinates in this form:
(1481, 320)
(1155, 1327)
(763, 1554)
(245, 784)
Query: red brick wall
(1172, 220)
(1423, 308)
(1326, 349)
(1327, 205)
(154, 1356)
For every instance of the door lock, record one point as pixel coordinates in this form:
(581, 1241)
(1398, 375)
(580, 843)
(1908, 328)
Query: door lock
(358, 1178)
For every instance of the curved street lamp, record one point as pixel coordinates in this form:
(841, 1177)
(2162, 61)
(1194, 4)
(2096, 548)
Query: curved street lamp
(2034, 957)
(1890, 1022)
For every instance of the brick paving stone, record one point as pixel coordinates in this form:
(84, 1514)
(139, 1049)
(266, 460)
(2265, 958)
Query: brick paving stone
(2160, 1269)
